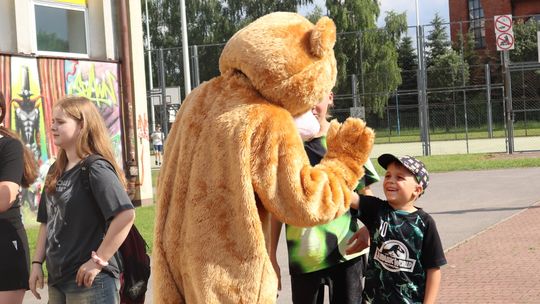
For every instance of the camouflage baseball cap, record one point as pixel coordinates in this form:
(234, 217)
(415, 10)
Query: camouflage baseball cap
(417, 168)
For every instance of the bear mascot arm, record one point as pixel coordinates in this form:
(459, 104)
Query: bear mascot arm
(234, 156)
(297, 193)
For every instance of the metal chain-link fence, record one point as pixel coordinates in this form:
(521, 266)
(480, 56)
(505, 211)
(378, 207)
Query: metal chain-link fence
(465, 96)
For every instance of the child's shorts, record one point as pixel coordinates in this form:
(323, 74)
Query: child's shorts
(14, 262)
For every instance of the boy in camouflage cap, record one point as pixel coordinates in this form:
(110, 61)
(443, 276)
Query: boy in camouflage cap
(406, 251)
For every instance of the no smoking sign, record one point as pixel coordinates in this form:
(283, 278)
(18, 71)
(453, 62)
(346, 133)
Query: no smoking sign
(504, 33)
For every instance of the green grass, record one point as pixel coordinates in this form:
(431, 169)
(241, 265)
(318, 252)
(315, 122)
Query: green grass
(438, 163)
(144, 221)
(413, 135)
(469, 162)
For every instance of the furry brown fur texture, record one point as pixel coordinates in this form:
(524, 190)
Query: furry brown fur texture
(234, 157)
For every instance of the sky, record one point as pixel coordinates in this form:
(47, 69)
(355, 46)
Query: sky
(427, 9)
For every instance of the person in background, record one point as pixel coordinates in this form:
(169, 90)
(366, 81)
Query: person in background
(157, 140)
(317, 255)
(17, 168)
(82, 227)
(406, 251)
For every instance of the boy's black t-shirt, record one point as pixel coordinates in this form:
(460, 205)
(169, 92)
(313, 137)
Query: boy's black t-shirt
(403, 247)
(76, 222)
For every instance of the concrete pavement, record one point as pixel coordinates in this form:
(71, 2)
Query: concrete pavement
(488, 221)
(464, 204)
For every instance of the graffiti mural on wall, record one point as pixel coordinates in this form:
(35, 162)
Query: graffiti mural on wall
(32, 85)
(98, 81)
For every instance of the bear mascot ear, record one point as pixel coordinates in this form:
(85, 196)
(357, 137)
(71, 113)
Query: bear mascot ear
(323, 37)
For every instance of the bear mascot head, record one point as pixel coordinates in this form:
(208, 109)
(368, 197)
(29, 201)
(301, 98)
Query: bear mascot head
(234, 157)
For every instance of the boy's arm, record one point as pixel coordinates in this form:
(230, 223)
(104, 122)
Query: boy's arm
(433, 282)
(275, 231)
(355, 200)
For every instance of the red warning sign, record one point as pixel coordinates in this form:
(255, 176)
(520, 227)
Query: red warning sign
(504, 33)
(505, 41)
(503, 23)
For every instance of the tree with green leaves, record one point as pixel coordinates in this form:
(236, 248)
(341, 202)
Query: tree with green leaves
(367, 52)
(445, 67)
(210, 23)
(526, 45)
(408, 62)
(438, 42)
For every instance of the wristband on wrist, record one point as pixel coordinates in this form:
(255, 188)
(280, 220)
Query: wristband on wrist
(37, 262)
(99, 260)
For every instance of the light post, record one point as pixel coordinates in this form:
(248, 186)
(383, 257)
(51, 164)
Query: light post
(185, 50)
(148, 48)
(422, 90)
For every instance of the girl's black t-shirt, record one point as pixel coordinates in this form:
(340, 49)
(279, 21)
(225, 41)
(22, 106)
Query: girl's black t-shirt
(11, 162)
(77, 218)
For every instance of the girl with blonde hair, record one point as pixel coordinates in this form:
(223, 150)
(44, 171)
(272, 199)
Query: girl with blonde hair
(81, 231)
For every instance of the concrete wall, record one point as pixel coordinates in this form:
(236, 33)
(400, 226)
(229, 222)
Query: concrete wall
(8, 37)
(143, 193)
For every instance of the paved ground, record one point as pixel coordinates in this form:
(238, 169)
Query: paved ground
(440, 147)
(488, 221)
(499, 265)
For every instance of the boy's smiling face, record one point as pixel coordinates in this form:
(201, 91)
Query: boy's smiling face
(400, 187)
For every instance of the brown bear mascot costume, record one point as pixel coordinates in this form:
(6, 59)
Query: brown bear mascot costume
(234, 158)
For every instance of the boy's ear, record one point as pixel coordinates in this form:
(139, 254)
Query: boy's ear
(418, 190)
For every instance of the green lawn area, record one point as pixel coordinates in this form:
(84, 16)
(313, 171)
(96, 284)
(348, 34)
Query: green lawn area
(413, 135)
(439, 163)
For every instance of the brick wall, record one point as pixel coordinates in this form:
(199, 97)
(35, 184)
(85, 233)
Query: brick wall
(526, 7)
(459, 11)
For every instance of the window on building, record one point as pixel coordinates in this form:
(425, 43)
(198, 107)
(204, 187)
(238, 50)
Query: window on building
(61, 28)
(477, 23)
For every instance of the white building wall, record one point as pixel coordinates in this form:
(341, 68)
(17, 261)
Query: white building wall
(18, 28)
(142, 144)
(8, 37)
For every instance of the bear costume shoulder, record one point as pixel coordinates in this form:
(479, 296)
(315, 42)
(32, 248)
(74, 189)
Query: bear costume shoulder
(234, 157)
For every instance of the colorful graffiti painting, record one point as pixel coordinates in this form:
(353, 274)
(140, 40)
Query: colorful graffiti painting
(32, 85)
(98, 81)
(27, 115)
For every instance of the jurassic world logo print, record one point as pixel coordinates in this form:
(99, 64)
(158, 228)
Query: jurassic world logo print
(394, 256)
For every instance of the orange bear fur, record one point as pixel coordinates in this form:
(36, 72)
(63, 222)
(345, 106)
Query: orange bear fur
(234, 157)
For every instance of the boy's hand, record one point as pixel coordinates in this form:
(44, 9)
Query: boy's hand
(277, 269)
(360, 241)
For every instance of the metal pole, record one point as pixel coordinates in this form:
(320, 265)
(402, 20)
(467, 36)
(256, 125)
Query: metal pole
(354, 88)
(195, 70)
(164, 116)
(185, 50)
(128, 102)
(465, 116)
(421, 83)
(361, 65)
(397, 114)
(422, 94)
(148, 47)
(488, 98)
(150, 79)
(508, 106)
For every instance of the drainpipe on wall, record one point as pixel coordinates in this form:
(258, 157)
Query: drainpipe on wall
(127, 100)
